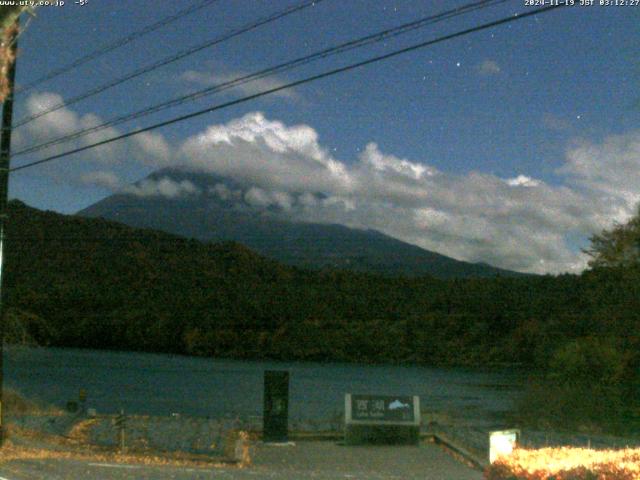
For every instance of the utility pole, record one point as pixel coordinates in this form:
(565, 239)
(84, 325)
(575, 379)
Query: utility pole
(10, 43)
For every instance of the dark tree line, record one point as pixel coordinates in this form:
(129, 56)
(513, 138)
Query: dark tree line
(90, 283)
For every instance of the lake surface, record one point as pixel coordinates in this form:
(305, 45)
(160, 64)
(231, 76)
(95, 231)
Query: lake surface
(156, 384)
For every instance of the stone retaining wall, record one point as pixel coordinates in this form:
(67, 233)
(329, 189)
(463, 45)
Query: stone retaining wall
(174, 433)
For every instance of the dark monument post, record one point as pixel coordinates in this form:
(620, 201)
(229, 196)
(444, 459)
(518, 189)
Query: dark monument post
(276, 406)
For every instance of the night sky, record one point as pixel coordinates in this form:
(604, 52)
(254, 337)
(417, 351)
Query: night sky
(509, 146)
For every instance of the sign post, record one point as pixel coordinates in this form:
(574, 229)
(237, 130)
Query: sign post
(276, 406)
(382, 419)
(9, 45)
(121, 425)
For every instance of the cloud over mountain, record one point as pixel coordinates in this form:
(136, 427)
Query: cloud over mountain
(518, 223)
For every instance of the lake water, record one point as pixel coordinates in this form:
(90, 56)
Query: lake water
(156, 384)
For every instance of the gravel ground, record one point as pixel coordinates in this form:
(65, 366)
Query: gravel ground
(325, 460)
(306, 459)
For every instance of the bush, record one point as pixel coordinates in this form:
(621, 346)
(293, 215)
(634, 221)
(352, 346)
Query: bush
(566, 464)
(586, 361)
(586, 388)
(14, 403)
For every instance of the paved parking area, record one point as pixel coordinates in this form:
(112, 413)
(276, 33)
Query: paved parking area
(321, 460)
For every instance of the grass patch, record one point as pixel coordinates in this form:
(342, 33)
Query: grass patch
(62, 448)
(14, 403)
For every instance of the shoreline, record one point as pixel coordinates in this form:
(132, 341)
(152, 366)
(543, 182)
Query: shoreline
(102, 431)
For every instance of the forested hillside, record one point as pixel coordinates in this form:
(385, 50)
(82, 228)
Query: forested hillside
(81, 282)
(92, 283)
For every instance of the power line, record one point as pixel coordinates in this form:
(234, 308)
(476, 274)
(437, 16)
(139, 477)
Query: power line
(286, 66)
(330, 73)
(171, 59)
(117, 44)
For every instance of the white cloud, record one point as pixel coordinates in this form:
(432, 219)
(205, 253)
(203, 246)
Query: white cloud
(209, 79)
(522, 181)
(393, 165)
(60, 122)
(488, 68)
(163, 187)
(63, 122)
(147, 147)
(223, 192)
(154, 149)
(266, 153)
(86, 168)
(519, 223)
(609, 169)
(258, 197)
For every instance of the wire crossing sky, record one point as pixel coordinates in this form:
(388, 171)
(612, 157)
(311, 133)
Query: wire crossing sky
(320, 76)
(117, 44)
(173, 58)
(510, 146)
(283, 67)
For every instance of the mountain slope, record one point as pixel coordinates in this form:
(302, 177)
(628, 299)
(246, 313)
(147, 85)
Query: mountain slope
(273, 232)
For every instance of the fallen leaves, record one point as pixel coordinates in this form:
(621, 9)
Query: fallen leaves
(567, 463)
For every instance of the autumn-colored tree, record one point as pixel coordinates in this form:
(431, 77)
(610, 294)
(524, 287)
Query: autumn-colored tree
(618, 247)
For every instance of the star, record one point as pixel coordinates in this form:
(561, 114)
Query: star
(458, 64)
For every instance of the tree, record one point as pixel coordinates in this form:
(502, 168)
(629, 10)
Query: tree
(618, 247)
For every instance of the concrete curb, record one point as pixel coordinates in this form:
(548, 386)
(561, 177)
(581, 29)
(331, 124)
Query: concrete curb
(473, 459)
(455, 447)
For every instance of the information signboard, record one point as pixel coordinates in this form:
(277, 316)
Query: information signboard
(382, 419)
(383, 408)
